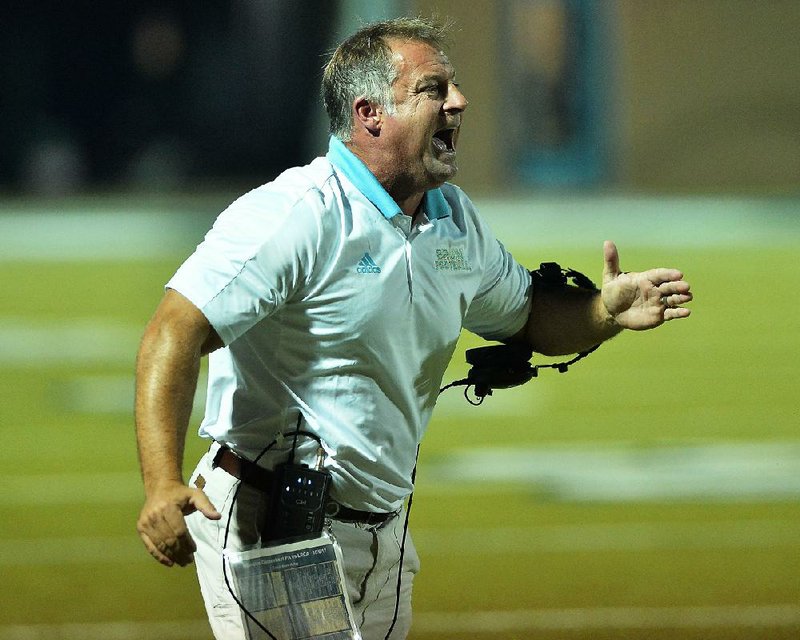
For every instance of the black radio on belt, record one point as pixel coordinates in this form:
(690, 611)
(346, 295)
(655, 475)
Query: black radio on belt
(296, 503)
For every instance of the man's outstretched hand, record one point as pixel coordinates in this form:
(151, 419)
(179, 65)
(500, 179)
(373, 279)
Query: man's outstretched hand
(644, 300)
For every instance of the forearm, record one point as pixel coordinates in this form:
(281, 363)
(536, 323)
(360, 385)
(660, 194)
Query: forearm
(567, 320)
(166, 379)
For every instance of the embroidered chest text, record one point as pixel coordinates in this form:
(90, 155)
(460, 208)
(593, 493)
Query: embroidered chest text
(451, 259)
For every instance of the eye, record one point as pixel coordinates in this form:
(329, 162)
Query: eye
(433, 88)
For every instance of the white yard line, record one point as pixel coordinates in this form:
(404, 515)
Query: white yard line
(117, 231)
(462, 622)
(723, 471)
(27, 344)
(173, 630)
(55, 489)
(533, 540)
(633, 221)
(609, 472)
(608, 618)
(113, 394)
(601, 537)
(54, 552)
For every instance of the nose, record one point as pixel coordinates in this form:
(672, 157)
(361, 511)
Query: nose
(456, 101)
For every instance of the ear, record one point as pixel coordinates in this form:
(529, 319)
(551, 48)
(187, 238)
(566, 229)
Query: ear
(368, 115)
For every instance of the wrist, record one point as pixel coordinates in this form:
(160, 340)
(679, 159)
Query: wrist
(605, 320)
(162, 484)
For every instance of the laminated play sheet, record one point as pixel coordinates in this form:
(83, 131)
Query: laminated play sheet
(293, 591)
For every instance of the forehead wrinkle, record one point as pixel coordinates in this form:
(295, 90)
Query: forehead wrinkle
(447, 73)
(404, 62)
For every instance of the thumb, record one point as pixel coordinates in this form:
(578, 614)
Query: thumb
(200, 501)
(611, 258)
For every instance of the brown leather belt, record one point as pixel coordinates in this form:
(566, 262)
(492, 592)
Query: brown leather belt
(244, 470)
(262, 479)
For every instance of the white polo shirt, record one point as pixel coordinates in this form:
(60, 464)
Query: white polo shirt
(331, 303)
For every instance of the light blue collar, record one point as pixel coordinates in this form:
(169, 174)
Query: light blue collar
(434, 203)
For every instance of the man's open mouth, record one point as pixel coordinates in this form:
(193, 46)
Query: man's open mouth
(444, 140)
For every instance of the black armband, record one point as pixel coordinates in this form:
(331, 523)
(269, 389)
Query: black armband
(508, 365)
(550, 274)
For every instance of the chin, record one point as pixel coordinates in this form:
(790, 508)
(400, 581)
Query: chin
(448, 175)
(442, 172)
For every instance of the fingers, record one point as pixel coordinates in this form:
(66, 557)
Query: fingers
(611, 261)
(675, 299)
(671, 292)
(677, 287)
(674, 293)
(658, 276)
(201, 503)
(674, 314)
(166, 538)
(154, 551)
(672, 296)
(662, 276)
(162, 526)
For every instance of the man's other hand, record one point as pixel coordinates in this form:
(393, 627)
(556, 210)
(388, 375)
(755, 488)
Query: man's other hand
(162, 526)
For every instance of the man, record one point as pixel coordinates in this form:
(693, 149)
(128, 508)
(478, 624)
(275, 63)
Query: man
(334, 297)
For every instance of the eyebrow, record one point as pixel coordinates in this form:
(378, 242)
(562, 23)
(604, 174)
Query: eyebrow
(435, 77)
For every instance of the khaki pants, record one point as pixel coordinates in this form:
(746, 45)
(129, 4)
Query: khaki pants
(371, 559)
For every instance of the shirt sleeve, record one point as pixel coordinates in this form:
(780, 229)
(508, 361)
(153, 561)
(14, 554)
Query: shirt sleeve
(502, 302)
(256, 257)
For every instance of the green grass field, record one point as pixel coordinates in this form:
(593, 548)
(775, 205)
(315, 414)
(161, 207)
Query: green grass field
(652, 492)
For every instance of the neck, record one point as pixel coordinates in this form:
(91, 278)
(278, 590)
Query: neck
(407, 199)
(401, 187)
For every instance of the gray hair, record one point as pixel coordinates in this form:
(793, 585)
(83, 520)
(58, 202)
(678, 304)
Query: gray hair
(362, 66)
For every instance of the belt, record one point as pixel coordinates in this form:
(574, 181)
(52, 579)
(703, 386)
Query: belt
(262, 479)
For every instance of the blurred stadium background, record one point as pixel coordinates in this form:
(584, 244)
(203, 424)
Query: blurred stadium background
(652, 492)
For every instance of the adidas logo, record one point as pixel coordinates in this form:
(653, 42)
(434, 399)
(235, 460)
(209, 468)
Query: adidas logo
(367, 265)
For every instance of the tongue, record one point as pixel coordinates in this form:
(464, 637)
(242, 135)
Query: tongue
(440, 145)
